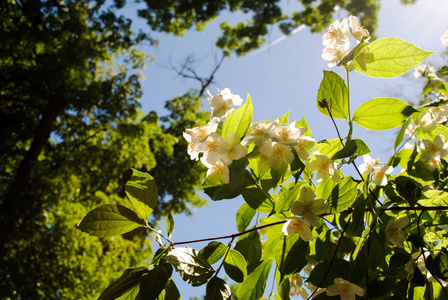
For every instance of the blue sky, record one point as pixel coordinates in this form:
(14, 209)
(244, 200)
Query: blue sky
(282, 77)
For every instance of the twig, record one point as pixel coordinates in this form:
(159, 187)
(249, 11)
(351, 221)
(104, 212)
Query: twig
(234, 235)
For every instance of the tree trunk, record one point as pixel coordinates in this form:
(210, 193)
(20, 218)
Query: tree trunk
(14, 199)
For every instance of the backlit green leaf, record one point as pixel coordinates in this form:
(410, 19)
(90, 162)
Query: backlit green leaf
(170, 292)
(344, 194)
(235, 266)
(110, 220)
(388, 58)
(191, 266)
(130, 279)
(141, 190)
(382, 113)
(253, 287)
(213, 251)
(239, 120)
(291, 254)
(170, 225)
(249, 245)
(244, 216)
(335, 93)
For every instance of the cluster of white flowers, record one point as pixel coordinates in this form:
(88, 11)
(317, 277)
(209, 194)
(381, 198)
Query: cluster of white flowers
(372, 167)
(217, 152)
(433, 152)
(308, 208)
(426, 70)
(337, 42)
(275, 140)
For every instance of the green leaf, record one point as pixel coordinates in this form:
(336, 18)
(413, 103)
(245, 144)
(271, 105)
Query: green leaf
(400, 258)
(288, 194)
(109, 220)
(191, 266)
(324, 189)
(291, 254)
(170, 292)
(344, 194)
(348, 150)
(213, 251)
(257, 200)
(400, 135)
(334, 90)
(442, 264)
(153, 283)
(284, 119)
(239, 120)
(160, 253)
(249, 245)
(170, 225)
(141, 190)
(244, 216)
(253, 287)
(417, 240)
(217, 289)
(339, 268)
(283, 288)
(303, 123)
(235, 266)
(361, 148)
(388, 58)
(382, 113)
(240, 178)
(129, 280)
(329, 147)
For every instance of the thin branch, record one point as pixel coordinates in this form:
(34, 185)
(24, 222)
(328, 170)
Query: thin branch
(234, 235)
(188, 71)
(332, 259)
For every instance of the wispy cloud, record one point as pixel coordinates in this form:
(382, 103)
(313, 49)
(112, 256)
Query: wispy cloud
(280, 39)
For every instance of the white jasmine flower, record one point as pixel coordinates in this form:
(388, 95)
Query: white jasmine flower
(236, 151)
(419, 71)
(300, 226)
(306, 143)
(379, 175)
(223, 103)
(263, 163)
(286, 134)
(357, 30)
(432, 152)
(213, 146)
(345, 289)
(426, 122)
(259, 133)
(394, 234)
(336, 33)
(195, 136)
(295, 284)
(277, 153)
(217, 172)
(325, 168)
(336, 53)
(369, 164)
(308, 207)
(439, 113)
(444, 38)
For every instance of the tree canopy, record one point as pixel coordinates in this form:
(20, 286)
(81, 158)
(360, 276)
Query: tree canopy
(71, 125)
